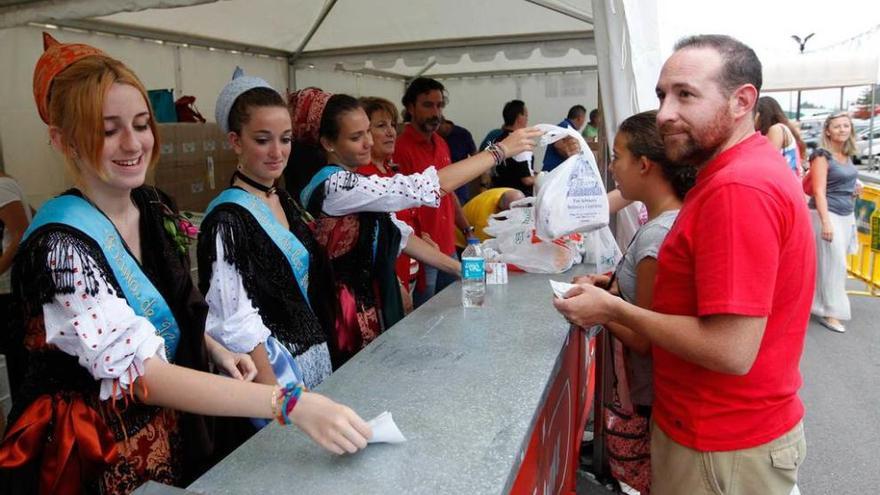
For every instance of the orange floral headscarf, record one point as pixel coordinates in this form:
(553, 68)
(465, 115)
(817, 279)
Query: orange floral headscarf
(56, 57)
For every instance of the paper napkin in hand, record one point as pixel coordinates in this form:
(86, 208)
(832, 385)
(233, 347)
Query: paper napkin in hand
(384, 429)
(560, 288)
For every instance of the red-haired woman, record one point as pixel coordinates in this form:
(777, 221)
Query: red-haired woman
(113, 327)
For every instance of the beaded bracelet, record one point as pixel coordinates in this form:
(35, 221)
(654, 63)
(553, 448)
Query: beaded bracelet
(497, 153)
(290, 395)
(274, 401)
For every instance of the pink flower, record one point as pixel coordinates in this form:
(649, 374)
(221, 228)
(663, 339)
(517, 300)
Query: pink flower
(187, 228)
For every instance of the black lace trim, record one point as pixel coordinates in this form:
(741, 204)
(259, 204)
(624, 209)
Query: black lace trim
(266, 275)
(44, 265)
(36, 281)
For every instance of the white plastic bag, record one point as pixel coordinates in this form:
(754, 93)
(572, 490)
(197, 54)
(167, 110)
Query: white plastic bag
(530, 254)
(600, 250)
(571, 198)
(629, 219)
(515, 242)
(520, 215)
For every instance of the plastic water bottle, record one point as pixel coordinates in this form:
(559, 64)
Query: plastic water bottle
(473, 275)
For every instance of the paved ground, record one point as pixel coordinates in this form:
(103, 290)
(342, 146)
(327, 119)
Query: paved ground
(842, 396)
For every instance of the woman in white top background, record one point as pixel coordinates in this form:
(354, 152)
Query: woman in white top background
(15, 215)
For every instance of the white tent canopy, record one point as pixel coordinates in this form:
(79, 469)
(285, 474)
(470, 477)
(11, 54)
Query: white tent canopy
(822, 70)
(416, 33)
(486, 53)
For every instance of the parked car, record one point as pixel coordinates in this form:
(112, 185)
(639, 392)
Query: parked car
(864, 143)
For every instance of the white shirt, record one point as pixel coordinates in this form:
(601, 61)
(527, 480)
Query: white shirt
(347, 192)
(101, 330)
(10, 191)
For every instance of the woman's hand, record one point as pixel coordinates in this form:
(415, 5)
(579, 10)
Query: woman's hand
(238, 366)
(827, 231)
(405, 297)
(331, 425)
(520, 140)
(427, 238)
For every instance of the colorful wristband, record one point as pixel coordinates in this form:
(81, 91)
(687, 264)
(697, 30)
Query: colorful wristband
(290, 396)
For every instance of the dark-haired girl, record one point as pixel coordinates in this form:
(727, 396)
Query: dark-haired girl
(643, 173)
(771, 121)
(355, 224)
(265, 278)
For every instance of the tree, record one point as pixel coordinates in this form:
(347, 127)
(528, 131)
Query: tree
(807, 104)
(865, 98)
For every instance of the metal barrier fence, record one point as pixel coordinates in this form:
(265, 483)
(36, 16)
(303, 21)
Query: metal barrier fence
(864, 264)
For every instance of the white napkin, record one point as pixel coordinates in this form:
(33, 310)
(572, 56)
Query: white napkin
(560, 288)
(384, 429)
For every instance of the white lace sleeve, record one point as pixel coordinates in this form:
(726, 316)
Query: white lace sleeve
(347, 192)
(109, 339)
(405, 231)
(233, 321)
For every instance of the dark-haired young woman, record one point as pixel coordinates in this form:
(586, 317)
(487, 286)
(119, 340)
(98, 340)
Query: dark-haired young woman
(355, 224)
(772, 122)
(266, 280)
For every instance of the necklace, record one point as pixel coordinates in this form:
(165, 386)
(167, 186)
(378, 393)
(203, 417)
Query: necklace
(256, 185)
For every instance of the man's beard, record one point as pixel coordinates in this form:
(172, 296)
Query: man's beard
(700, 147)
(429, 125)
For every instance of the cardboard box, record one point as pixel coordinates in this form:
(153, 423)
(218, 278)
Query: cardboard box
(195, 164)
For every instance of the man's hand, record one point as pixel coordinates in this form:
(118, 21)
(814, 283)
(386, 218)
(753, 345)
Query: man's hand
(592, 279)
(567, 146)
(586, 305)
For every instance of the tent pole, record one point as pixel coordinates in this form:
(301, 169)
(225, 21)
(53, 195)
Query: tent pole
(871, 163)
(425, 69)
(841, 98)
(166, 36)
(564, 10)
(314, 29)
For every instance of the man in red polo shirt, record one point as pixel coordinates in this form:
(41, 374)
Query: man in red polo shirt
(419, 147)
(733, 288)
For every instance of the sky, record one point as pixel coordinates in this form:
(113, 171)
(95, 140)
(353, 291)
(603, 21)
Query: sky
(767, 26)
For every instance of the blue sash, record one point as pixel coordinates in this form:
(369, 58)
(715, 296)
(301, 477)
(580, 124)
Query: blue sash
(285, 368)
(318, 179)
(140, 293)
(296, 254)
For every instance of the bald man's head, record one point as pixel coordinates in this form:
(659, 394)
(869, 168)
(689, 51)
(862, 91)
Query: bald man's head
(509, 197)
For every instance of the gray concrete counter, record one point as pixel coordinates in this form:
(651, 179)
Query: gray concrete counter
(464, 386)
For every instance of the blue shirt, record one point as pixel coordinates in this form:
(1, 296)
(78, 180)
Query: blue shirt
(461, 146)
(490, 138)
(552, 158)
